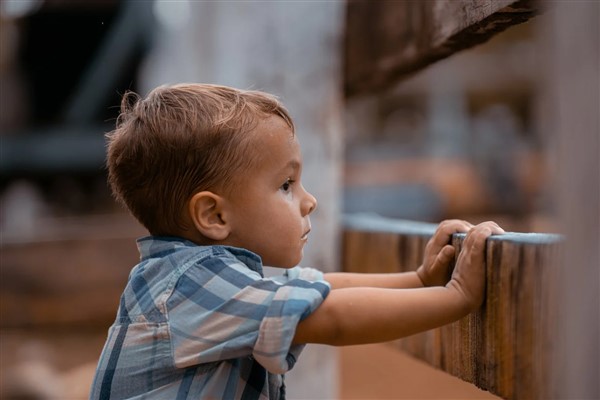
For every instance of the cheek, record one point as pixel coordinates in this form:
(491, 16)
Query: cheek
(287, 196)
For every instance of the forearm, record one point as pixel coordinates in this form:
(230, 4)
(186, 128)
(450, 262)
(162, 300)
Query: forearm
(357, 314)
(369, 315)
(400, 280)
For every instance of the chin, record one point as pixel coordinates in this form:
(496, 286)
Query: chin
(290, 264)
(287, 264)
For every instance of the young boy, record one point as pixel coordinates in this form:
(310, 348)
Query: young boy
(214, 174)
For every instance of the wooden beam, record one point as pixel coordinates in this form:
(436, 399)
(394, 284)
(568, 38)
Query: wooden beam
(505, 347)
(390, 40)
(75, 282)
(69, 272)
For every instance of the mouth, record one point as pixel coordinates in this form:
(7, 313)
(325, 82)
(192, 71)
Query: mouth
(305, 236)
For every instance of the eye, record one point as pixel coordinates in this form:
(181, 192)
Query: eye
(287, 186)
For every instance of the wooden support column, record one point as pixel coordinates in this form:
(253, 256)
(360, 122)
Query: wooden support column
(572, 81)
(503, 348)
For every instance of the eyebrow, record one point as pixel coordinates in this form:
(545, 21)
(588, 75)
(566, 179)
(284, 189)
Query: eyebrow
(292, 164)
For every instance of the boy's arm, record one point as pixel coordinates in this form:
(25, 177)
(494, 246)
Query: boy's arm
(400, 280)
(367, 315)
(433, 272)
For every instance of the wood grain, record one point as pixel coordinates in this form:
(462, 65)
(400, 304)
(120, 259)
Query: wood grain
(504, 347)
(389, 40)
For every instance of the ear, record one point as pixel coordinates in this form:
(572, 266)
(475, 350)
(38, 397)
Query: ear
(206, 212)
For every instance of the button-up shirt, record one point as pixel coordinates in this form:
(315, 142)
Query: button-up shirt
(202, 322)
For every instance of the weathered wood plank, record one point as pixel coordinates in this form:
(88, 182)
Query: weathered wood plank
(504, 347)
(389, 40)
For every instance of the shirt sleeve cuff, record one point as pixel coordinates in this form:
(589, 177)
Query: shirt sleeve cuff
(293, 302)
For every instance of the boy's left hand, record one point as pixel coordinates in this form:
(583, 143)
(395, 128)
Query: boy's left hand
(439, 253)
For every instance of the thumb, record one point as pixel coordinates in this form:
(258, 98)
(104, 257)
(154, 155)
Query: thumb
(443, 259)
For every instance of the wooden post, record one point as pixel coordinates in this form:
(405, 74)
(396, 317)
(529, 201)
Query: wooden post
(572, 38)
(505, 347)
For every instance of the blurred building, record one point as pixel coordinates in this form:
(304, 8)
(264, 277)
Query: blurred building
(457, 140)
(74, 60)
(460, 139)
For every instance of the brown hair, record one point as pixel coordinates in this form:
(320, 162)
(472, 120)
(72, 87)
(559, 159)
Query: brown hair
(178, 141)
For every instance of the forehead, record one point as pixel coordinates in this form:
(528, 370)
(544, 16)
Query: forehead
(273, 125)
(275, 142)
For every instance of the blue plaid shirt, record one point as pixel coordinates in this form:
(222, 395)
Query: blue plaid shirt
(202, 322)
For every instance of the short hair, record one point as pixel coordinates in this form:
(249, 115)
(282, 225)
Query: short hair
(180, 140)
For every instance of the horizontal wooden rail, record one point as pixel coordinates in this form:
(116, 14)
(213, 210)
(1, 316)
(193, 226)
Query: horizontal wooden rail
(504, 347)
(71, 272)
(390, 40)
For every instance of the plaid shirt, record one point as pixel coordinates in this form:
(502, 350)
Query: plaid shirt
(202, 322)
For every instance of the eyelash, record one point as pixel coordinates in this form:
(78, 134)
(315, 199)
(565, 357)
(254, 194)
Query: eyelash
(287, 185)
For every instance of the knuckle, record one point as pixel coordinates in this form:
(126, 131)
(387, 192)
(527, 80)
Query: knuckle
(443, 225)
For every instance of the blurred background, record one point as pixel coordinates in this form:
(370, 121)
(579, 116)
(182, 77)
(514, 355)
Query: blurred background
(66, 63)
(463, 138)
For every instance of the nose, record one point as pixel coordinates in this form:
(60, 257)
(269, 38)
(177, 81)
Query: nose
(309, 203)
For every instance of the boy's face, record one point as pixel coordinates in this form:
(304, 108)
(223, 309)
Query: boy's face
(269, 207)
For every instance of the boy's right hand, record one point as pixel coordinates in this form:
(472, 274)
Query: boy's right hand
(468, 278)
(439, 253)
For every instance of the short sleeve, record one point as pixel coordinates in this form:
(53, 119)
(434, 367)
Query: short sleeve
(222, 310)
(300, 294)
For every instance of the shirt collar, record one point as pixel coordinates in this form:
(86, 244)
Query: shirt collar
(161, 246)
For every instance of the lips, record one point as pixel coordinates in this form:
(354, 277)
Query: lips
(305, 236)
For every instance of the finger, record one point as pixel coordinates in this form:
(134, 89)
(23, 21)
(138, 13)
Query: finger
(475, 241)
(445, 230)
(442, 261)
(473, 249)
(445, 256)
(474, 234)
(497, 229)
(454, 225)
(494, 227)
(448, 252)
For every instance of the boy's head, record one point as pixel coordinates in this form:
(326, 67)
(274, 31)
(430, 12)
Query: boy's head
(215, 165)
(178, 141)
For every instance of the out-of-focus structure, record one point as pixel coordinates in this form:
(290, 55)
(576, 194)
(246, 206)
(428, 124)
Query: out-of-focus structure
(417, 110)
(510, 139)
(403, 130)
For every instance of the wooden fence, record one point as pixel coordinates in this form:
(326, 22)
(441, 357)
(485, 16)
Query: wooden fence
(504, 347)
